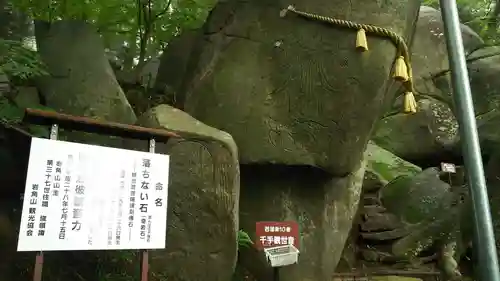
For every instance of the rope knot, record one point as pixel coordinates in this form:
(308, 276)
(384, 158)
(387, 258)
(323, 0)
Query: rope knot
(284, 11)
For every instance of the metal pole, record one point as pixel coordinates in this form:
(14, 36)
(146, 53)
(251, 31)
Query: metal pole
(464, 109)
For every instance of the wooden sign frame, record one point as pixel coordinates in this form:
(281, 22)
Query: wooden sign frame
(89, 125)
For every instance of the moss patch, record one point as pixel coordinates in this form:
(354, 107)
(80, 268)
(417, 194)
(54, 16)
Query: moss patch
(388, 166)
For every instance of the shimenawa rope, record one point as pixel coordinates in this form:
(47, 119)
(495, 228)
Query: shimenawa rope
(402, 66)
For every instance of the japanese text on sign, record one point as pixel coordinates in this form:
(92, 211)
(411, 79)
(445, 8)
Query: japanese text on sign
(448, 168)
(110, 198)
(271, 234)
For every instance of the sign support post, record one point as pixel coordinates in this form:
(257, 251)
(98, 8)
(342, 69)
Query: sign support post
(276, 274)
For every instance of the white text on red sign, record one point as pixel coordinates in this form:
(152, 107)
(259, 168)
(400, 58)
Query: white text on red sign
(276, 240)
(277, 229)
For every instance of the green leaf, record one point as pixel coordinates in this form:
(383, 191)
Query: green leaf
(244, 240)
(19, 61)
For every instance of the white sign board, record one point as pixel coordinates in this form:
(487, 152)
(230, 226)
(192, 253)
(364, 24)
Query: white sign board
(88, 197)
(448, 168)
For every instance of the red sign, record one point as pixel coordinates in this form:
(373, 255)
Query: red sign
(274, 233)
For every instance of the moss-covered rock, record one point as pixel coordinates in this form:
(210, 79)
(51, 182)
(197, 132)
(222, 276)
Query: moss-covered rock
(394, 278)
(382, 167)
(433, 213)
(418, 198)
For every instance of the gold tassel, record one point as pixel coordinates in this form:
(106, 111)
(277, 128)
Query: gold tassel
(409, 103)
(400, 69)
(361, 43)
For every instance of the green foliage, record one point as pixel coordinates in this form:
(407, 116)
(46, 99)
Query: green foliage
(12, 114)
(480, 15)
(18, 61)
(244, 240)
(134, 29)
(9, 113)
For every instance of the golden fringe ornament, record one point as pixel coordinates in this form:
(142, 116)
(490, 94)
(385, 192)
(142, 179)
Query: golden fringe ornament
(400, 69)
(361, 42)
(409, 103)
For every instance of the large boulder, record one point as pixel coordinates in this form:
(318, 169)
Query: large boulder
(324, 207)
(418, 198)
(173, 68)
(426, 64)
(432, 132)
(203, 199)
(427, 211)
(295, 91)
(493, 180)
(81, 80)
(425, 137)
(484, 68)
(429, 52)
(301, 103)
(382, 167)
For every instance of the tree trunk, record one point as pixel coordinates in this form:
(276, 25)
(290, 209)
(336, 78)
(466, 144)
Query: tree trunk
(82, 81)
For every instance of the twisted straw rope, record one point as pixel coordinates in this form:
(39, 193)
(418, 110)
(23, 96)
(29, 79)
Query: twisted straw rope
(397, 40)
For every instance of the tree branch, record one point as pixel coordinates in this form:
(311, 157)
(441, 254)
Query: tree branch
(164, 11)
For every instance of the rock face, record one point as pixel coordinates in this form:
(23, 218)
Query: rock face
(429, 35)
(431, 132)
(173, 67)
(296, 97)
(82, 81)
(298, 87)
(483, 72)
(323, 206)
(483, 69)
(202, 202)
(417, 213)
(493, 181)
(382, 167)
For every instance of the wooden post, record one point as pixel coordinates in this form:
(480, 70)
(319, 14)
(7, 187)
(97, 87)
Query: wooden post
(37, 272)
(276, 274)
